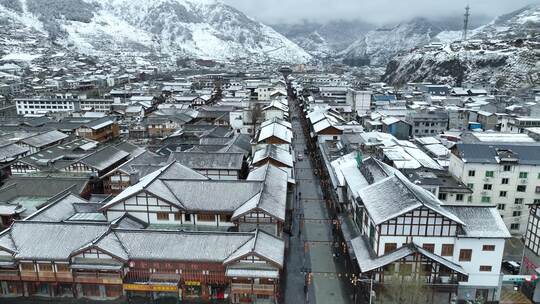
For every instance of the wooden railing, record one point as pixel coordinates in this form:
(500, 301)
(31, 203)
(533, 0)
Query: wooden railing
(97, 277)
(9, 275)
(244, 286)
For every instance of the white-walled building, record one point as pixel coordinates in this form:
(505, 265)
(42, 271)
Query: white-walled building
(504, 175)
(406, 233)
(180, 197)
(360, 101)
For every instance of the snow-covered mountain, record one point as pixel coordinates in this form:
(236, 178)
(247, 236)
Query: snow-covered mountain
(522, 23)
(205, 29)
(503, 53)
(324, 40)
(377, 47)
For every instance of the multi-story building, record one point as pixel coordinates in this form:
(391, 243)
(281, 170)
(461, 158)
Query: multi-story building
(519, 124)
(504, 175)
(99, 261)
(407, 235)
(180, 197)
(100, 130)
(427, 123)
(42, 105)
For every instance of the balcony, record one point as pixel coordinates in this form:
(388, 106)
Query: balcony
(29, 276)
(98, 278)
(9, 275)
(46, 276)
(64, 277)
(243, 287)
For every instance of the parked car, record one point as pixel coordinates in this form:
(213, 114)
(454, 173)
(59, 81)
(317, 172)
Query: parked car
(300, 156)
(511, 266)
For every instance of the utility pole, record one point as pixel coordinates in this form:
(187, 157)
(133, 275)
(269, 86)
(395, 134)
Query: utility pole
(466, 22)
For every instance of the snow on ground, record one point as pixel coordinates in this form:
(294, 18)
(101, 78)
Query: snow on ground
(449, 36)
(20, 57)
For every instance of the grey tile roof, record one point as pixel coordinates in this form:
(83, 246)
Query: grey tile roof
(396, 195)
(104, 158)
(61, 155)
(189, 246)
(275, 153)
(267, 191)
(10, 151)
(44, 139)
(487, 153)
(272, 197)
(58, 210)
(143, 164)
(207, 160)
(51, 241)
(40, 186)
(480, 221)
(154, 185)
(201, 195)
(368, 261)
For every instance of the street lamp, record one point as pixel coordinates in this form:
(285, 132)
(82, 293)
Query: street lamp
(355, 280)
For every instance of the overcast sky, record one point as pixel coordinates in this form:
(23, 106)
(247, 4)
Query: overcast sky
(375, 11)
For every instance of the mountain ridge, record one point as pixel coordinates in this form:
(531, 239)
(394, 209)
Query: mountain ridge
(205, 29)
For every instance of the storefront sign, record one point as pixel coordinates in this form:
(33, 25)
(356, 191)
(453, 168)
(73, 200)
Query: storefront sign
(193, 283)
(149, 287)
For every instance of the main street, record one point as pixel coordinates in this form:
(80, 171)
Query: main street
(311, 242)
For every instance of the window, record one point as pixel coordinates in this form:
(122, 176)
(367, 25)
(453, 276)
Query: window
(113, 291)
(27, 267)
(469, 199)
(487, 186)
(501, 206)
(504, 181)
(521, 188)
(518, 201)
(507, 168)
(447, 250)
(224, 218)
(465, 255)
(389, 247)
(206, 217)
(470, 186)
(489, 173)
(516, 213)
(538, 175)
(90, 290)
(537, 190)
(62, 268)
(405, 269)
(523, 174)
(429, 247)
(442, 196)
(486, 199)
(389, 268)
(514, 226)
(162, 216)
(488, 248)
(178, 216)
(502, 194)
(459, 197)
(187, 217)
(472, 172)
(485, 268)
(536, 201)
(45, 267)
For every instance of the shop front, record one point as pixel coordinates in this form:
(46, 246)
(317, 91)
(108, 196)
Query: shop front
(152, 292)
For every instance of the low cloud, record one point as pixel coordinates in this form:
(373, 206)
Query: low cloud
(378, 12)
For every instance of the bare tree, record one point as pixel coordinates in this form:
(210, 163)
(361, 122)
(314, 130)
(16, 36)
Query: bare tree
(405, 289)
(256, 116)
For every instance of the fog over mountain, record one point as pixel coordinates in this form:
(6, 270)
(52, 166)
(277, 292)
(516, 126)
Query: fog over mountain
(378, 12)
